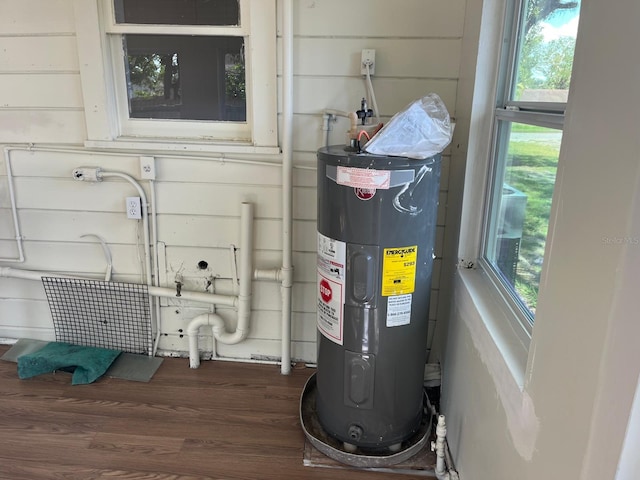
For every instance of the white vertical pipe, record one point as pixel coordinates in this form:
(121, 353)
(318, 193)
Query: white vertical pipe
(156, 261)
(246, 270)
(287, 182)
(14, 210)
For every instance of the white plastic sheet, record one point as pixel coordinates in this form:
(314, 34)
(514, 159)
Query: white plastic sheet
(423, 129)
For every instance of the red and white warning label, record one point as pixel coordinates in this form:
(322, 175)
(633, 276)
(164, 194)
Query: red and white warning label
(365, 178)
(331, 290)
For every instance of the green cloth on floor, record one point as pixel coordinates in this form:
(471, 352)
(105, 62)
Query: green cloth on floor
(90, 362)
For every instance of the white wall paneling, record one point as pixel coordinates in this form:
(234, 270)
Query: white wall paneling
(198, 198)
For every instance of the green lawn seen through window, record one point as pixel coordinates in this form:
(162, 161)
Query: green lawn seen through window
(531, 164)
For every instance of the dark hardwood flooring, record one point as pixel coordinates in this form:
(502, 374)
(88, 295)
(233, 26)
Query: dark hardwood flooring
(221, 421)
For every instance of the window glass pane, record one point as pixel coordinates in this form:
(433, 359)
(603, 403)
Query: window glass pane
(520, 206)
(185, 77)
(545, 54)
(178, 12)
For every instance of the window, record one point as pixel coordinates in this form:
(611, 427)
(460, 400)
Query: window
(533, 85)
(181, 71)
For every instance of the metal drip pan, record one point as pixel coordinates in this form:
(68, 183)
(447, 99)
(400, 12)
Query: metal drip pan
(362, 458)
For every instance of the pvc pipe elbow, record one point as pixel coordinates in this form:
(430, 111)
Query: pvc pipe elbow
(230, 338)
(192, 332)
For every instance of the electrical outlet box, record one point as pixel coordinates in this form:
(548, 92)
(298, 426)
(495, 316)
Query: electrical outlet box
(133, 208)
(147, 168)
(368, 58)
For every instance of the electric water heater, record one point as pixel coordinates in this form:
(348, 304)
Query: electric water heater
(376, 235)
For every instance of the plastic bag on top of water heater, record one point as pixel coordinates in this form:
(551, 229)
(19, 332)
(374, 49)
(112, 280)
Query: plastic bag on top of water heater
(423, 129)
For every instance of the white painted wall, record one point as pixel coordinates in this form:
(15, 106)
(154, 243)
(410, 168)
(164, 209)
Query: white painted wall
(569, 414)
(418, 45)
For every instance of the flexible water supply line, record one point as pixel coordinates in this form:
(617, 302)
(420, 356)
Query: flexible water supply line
(373, 95)
(14, 210)
(107, 254)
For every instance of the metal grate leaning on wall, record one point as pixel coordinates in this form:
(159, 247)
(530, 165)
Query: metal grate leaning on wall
(100, 314)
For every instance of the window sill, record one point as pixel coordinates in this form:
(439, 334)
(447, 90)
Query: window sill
(490, 320)
(180, 145)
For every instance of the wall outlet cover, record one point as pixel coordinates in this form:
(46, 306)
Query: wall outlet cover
(133, 208)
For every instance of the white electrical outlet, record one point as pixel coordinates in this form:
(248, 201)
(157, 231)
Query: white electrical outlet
(368, 58)
(147, 168)
(133, 208)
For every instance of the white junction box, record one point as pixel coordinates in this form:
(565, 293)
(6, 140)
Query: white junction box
(133, 208)
(368, 58)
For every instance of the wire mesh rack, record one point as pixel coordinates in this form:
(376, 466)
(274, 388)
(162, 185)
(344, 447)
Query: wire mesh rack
(100, 314)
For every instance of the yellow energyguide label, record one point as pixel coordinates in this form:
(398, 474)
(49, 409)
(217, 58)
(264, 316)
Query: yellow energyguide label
(399, 270)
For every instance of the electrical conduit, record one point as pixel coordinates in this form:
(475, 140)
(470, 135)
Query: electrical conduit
(96, 175)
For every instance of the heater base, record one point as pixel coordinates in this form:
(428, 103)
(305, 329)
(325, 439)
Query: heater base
(350, 454)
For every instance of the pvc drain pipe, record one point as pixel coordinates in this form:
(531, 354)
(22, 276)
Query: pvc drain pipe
(244, 297)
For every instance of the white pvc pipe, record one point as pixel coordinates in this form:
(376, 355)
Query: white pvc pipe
(214, 320)
(272, 274)
(202, 297)
(156, 262)
(287, 183)
(9, 272)
(441, 433)
(14, 210)
(246, 278)
(442, 471)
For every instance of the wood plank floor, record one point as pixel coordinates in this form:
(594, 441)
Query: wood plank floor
(221, 421)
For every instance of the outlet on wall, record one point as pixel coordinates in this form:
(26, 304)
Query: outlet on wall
(368, 58)
(147, 168)
(133, 208)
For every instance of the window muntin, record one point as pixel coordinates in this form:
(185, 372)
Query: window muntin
(533, 88)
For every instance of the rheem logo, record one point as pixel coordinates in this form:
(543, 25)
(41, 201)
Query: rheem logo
(325, 291)
(364, 193)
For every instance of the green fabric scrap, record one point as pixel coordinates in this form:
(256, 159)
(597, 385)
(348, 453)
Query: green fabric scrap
(90, 362)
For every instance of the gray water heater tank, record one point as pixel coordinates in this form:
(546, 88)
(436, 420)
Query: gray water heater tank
(376, 235)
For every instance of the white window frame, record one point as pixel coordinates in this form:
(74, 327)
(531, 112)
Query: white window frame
(542, 114)
(105, 97)
(494, 308)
